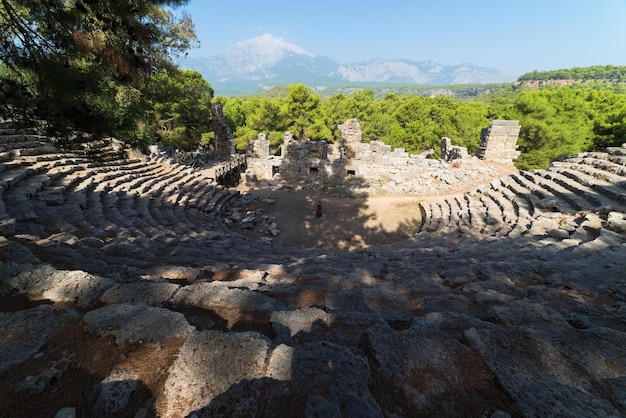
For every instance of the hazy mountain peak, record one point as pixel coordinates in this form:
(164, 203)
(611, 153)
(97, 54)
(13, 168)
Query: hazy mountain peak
(267, 61)
(264, 51)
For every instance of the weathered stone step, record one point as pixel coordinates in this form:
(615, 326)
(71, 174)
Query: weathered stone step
(78, 195)
(232, 194)
(29, 186)
(600, 175)
(433, 214)
(25, 144)
(113, 213)
(616, 193)
(95, 214)
(570, 195)
(544, 193)
(510, 211)
(62, 177)
(4, 157)
(444, 209)
(495, 214)
(12, 177)
(608, 157)
(525, 198)
(526, 188)
(177, 220)
(7, 222)
(155, 186)
(174, 190)
(595, 198)
(60, 157)
(128, 180)
(18, 199)
(56, 220)
(476, 209)
(7, 225)
(23, 138)
(141, 208)
(617, 150)
(191, 192)
(601, 164)
(207, 199)
(109, 172)
(456, 211)
(170, 219)
(139, 179)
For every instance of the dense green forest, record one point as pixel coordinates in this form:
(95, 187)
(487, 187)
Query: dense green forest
(93, 69)
(555, 121)
(596, 72)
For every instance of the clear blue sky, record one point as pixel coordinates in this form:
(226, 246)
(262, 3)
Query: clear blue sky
(511, 36)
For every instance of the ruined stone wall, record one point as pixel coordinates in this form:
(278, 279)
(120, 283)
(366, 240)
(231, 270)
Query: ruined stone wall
(451, 152)
(351, 137)
(370, 161)
(297, 159)
(303, 158)
(498, 142)
(259, 148)
(224, 140)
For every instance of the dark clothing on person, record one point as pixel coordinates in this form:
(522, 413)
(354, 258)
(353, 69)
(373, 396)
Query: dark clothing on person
(319, 210)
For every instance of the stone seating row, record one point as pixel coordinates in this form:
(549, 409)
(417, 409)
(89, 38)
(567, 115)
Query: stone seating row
(603, 182)
(527, 202)
(344, 319)
(495, 211)
(100, 232)
(152, 201)
(603, 166)
(63, 205)
(26, 145)
(118, 200)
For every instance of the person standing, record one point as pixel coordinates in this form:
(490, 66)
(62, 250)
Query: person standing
(318, 213)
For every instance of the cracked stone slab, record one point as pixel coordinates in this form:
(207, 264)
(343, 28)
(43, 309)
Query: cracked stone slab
(291, 322)
(318, 379)
(208, 364)
(137, 323)
(218, 296)
(426, 365)
(75, 286)
(145, 292)
(556, 374)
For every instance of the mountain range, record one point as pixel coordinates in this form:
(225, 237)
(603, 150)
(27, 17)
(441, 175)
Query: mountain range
(266, 61)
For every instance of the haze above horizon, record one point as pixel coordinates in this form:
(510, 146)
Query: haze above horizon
(514, 38)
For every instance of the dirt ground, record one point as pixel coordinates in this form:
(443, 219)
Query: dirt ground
(346, 223)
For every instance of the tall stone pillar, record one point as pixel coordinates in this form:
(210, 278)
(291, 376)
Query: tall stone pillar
(224, 140)
(351, 137)
(498, 141)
